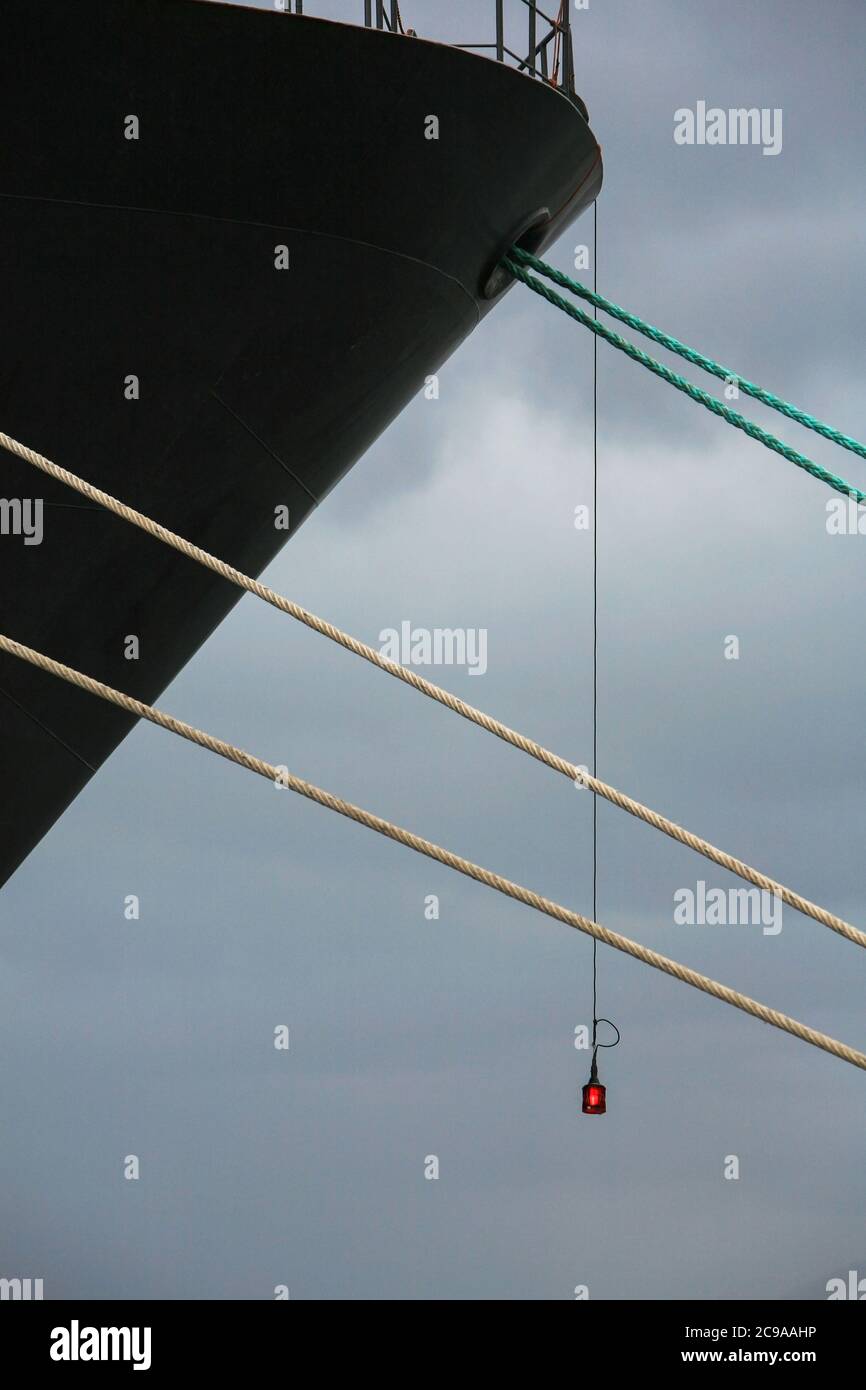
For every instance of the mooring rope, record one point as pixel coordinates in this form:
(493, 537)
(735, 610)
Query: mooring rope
(733, 417)
(698, 359)
(280, 777)
(434, 692)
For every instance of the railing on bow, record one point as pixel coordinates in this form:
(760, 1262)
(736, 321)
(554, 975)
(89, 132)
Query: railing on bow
(548, 52)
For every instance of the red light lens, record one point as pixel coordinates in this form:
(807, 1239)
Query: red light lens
(594, 1099)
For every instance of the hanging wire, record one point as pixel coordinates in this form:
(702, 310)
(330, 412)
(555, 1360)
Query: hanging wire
(595, 1019)
(594, 620)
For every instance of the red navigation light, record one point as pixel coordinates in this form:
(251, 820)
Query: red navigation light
(594, 1094)
(594, 1102)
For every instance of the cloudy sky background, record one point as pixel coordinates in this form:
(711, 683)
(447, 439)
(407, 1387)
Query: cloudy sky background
(455, 1037)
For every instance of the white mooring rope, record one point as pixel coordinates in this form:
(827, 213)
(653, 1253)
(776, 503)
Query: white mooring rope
(434, 692)
(444, 856)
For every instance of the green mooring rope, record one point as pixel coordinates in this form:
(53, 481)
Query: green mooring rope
(518, 259)
(683, 350)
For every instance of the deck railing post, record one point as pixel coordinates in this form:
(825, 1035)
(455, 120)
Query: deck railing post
(533, 34)
(386, 15)
(567, 51)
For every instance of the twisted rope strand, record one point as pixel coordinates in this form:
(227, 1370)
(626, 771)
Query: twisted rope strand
(698, 359)
(443, 856)
(733, 417)
(435, 692)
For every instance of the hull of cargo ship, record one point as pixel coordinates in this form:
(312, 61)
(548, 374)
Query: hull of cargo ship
(230, 253)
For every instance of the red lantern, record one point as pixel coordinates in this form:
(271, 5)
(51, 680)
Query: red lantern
(594, 1094)
(594, 1102)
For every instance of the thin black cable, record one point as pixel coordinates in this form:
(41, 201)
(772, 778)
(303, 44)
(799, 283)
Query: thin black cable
(594, 623)
(595, 1019)
(610, 1025)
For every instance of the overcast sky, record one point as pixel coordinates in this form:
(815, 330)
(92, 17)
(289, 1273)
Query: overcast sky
(454, 1037)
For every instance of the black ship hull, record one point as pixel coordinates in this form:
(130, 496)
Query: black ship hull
(158, 340)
